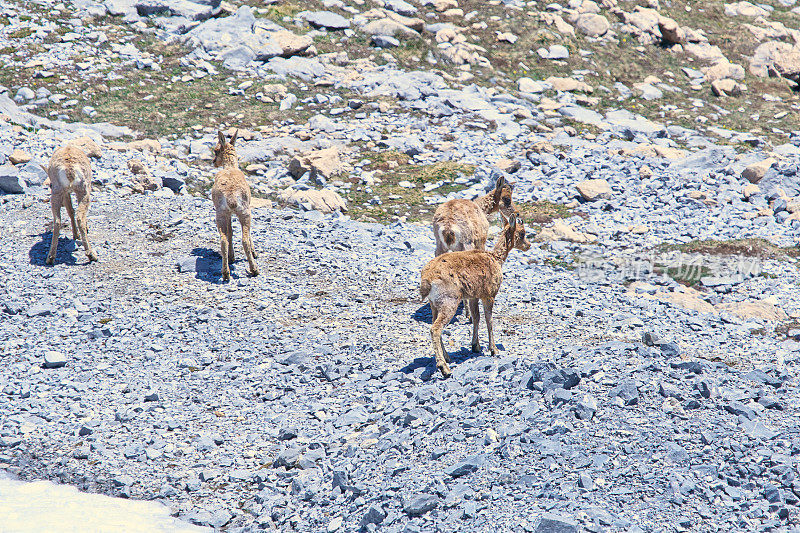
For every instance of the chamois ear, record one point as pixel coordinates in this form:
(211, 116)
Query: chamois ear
(513, 222)
(222, 140)
(235, 134)
(500, 182)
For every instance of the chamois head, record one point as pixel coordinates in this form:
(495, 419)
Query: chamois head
(502, 196)
(516, 231)
(224, 151)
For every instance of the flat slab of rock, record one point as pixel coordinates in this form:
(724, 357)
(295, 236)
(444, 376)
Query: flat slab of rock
(323, 200)
(54, 359)
(592, 190)
(18, 157)
(326, 19)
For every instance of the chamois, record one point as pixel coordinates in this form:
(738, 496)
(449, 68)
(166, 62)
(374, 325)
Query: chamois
(231, 195)
(70, 171)
(462, 224)
(468, 275)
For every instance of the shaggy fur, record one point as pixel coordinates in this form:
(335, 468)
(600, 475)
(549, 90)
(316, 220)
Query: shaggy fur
(231, 195)
(70, 171)
(468, 275)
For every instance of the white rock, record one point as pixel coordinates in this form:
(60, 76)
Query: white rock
(54, 359)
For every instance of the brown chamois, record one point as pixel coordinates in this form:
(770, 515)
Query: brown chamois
(468, 275)
(231, 195)
(461, 224)
(70, 171)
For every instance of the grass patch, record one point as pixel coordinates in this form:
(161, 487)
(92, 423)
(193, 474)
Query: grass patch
(278, 11)
(544, 211)
(559, 263)
(753, 247)
(393, 167)
(21, 33)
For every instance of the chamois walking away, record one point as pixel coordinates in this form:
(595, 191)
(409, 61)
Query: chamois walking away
(468, 275)
(70, 171)
(461, 224)
(231, 195)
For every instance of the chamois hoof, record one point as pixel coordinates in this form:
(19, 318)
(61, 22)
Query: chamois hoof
(226, 276)
(49, 260)
(92, 256)
(493, 350)
(476, 348)
(253, 272)
(446, 372)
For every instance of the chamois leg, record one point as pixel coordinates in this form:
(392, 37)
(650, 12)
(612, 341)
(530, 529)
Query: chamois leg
(224, 244)
(247, 243)
(488, 304)
(476, 318)
(84, 199)
(435, 313)
(55, 203)
(71, 213)
(229, 234)
(446, 312)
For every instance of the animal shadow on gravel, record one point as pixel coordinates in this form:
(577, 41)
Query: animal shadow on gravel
(207, 264)
(429, 362)
(64, 256)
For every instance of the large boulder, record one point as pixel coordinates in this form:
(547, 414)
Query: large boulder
(724, 69)
(11, 181)
(726, 87)
(389, 27)
(265, 39)
(324, 200)
(592, 24)
(745, 9)
(179, 8)
(671, 32)
(323, 162)
(787, 65)
(561, 231)
(754, 172)
(765, 56)
(760, 310)
(595, 189)
(568, 84)
(325, 19)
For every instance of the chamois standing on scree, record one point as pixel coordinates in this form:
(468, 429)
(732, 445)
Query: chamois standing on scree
(468, 275)
(70, 171)
(231, 195)
(462, 224)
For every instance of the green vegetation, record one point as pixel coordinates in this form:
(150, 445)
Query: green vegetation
(21, 33)
(391, 168)
(544, 211)
(753, 247)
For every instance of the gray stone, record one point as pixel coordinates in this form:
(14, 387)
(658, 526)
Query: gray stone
(419, 504)
(11, 180)
(385, 41)
(326, 19)
(627, 392)
(355, 416)
(552, 523)
(400, 6)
